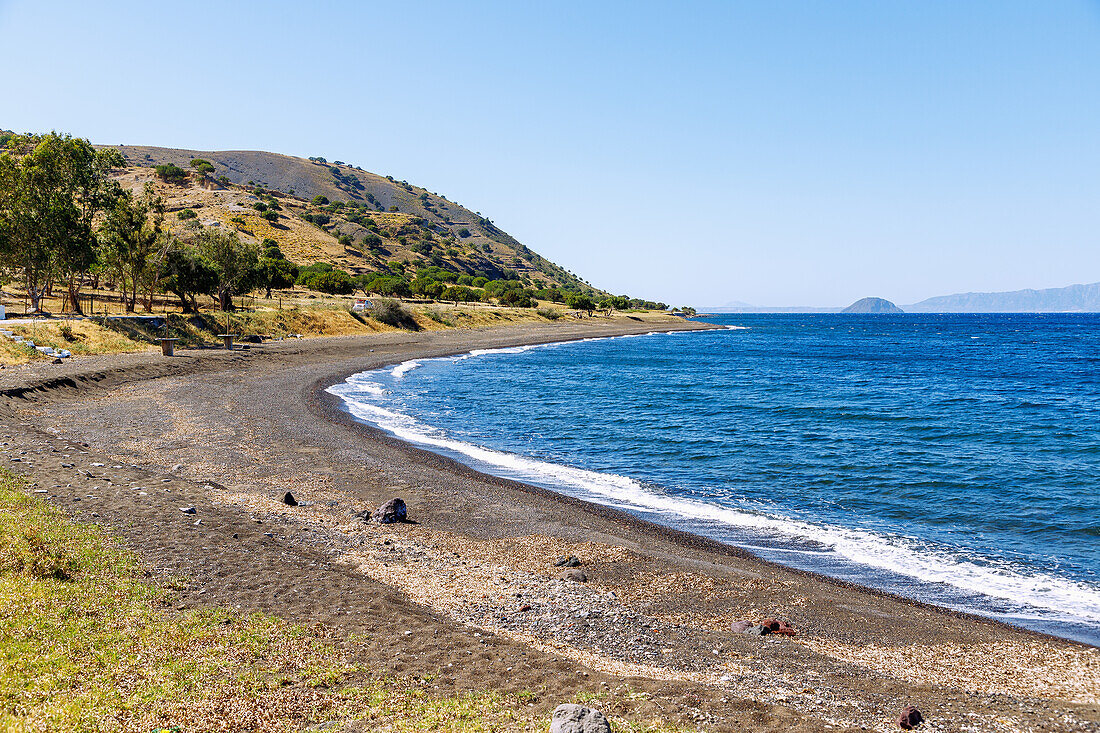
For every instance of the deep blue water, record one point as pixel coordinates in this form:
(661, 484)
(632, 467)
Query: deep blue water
(950, 458)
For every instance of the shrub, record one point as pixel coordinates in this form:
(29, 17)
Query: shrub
(551, 314)
(320, 200)
(271, 216)
(393, 314)
(202, 166)
(321, 219)
(187, 214)
(463, 232)
(259, 206)
(170, 173)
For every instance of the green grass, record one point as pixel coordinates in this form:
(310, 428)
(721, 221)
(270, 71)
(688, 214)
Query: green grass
(86, 644)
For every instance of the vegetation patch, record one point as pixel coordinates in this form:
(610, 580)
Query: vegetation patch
(87, 646)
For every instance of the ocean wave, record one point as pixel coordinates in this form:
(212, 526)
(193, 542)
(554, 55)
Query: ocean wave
(904, 556)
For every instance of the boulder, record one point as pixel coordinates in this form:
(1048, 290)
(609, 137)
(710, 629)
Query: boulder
(910, 718)
(570, 718)
(742, 626)
(577, 576)
(567, 562)
(391, 512)
(289, 500)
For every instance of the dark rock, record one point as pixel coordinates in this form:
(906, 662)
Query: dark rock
(188, 510)
(289, 500)
(758, 630)
(56, 360)
(525, 607)
(567, 562)
(577, 576)
(570, 718)
(391, 512)
(910, 718)
(778, 627)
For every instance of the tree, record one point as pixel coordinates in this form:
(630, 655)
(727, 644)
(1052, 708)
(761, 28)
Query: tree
(336, 282)
(52, 188)
(580, 302)
(204, 168)
(131, 234)
(235, 262)
(187, 274)
(391, 285)
(276, 273)
(459, 293)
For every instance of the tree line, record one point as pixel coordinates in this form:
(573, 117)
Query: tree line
(64, 223)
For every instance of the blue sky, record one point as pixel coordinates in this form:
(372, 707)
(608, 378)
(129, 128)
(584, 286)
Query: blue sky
(776, 153)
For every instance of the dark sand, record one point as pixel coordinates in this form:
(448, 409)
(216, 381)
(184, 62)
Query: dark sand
(648, 633)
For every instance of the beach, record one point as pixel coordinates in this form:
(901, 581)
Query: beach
(470, 592)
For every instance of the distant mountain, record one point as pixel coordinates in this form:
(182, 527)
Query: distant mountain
(1072, 299)
(872, 305)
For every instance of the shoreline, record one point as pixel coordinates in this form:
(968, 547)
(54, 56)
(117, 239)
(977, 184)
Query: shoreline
(333, 408)
(265, 423)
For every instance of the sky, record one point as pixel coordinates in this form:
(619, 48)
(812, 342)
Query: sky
(699, 153)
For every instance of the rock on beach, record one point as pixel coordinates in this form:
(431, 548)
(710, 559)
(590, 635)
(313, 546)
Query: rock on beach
(571, 718)
(391, 512)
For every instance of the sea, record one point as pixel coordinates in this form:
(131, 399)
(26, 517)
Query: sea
(953, 459)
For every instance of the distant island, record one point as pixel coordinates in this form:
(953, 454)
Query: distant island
(1074, 298)
(872, 305)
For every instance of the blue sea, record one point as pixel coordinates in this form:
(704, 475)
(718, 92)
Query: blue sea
(950, 458)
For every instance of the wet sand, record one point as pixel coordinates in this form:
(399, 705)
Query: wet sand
(469, 593)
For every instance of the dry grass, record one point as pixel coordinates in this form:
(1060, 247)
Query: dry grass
(81, 337)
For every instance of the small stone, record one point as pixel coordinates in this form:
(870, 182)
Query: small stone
(567, 562)
(188, 510)
(391, 512)
(740, 627)
(56, 360)
(177, 468)
(289, 500)
(910, 718)
(570, 718)
(758, 630)
(525, 607)
(577, 576)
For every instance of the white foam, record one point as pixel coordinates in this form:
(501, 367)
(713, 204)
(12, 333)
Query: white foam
(1036, 594)
(404, 367)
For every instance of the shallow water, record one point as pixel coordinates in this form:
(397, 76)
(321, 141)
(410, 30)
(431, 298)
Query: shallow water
(951, 458)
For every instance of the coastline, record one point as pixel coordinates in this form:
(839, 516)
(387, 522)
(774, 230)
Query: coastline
(860, 653)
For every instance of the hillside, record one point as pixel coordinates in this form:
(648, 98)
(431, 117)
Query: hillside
(365, 222)
(1074, 298)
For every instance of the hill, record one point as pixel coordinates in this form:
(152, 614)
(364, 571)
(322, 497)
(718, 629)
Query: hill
(1074, 298)
(872, 305)
(361, 221)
